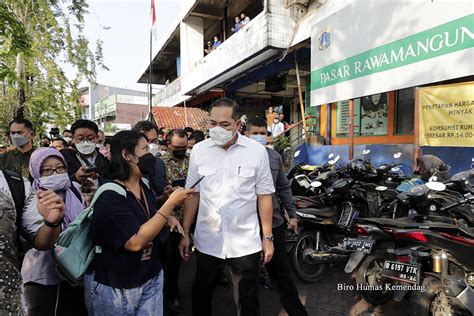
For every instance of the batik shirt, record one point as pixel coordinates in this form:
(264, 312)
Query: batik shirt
(31, 221)
(176, 169)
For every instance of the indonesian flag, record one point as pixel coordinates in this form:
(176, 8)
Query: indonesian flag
(153, 19)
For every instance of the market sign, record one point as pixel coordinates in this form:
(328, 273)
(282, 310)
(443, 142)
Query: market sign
(446, 115)
(378, 46)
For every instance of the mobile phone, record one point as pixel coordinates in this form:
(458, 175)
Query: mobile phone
(91, 170)
(196, 183)
(85, 185)
(178, 183)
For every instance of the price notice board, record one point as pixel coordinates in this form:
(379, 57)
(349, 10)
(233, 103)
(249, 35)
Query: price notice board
(446, 115)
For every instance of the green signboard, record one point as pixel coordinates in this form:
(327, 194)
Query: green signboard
(446, 38)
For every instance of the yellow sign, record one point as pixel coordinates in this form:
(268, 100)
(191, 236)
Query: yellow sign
(446, 115)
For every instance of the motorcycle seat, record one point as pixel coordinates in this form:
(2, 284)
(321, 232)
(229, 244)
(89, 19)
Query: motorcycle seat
(321, 212)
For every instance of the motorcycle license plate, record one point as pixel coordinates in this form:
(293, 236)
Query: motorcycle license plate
(361, 245)
(404, 272)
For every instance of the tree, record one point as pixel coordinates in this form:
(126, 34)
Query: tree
(36, 37)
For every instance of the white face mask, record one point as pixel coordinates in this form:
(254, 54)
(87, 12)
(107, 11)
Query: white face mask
(154, 149)
(220, 136)
(188, 152)
(261, 139)
(55, 182)
(86, 147)
(99, 146)
(68, 140)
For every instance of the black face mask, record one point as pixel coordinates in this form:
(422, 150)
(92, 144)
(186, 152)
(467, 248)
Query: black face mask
(179, 153)
(146, 163)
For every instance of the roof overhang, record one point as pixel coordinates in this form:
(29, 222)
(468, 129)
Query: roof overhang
(246, 65)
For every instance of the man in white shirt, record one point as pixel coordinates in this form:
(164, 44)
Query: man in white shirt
(237, 177)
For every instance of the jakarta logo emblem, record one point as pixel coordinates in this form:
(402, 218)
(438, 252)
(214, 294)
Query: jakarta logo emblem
(324, 39)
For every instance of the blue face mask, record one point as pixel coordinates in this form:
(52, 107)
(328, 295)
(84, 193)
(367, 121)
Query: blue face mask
(261, 139)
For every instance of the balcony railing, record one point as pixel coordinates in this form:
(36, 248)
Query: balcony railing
(242, 45)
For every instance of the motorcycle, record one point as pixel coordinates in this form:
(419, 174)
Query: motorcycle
(326, 218)
(376, 235)
(301, 175)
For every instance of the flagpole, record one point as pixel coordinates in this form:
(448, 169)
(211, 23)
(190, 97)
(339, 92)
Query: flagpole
(150, 69)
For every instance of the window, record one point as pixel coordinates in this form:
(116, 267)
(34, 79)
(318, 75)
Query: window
(405, 113)
(370, 116)
(374, 115)
(342, 118)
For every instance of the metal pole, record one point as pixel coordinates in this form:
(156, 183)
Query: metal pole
(351, 129)
(300, 94)
(150, 71)
(416, 131)
(185, 114)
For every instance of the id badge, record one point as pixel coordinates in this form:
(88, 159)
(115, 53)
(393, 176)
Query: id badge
(146, 254)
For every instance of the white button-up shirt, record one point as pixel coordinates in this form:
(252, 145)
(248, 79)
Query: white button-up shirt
(227, 223)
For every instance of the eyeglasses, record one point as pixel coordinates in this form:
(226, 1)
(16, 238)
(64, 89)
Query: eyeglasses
(49, 171)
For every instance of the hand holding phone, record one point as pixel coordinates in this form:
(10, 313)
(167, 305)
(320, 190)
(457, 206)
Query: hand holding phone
(91, 170)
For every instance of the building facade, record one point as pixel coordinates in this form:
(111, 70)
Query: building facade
(361, 67)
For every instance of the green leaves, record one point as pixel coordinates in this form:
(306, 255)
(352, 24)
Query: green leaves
(34, 37)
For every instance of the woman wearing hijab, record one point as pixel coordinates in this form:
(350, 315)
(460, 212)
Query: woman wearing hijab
(44, 292)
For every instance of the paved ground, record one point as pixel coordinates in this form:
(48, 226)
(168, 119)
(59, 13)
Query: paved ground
(320, 299)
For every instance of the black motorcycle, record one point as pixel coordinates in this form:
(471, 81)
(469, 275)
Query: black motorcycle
(394, 249)
(326, 218)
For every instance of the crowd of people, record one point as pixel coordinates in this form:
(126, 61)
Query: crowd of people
(239, 23)
(224, 198)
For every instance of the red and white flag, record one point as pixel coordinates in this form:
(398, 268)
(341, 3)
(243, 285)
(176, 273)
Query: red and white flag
(153, 19)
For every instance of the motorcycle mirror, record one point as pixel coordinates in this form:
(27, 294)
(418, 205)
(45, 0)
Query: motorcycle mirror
(436, 186)
(443, 168)
(397, 155)
(330, 156)
(297, 153)
(381, 188)
(316, 184)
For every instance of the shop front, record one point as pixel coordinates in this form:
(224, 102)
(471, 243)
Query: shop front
(395, 76)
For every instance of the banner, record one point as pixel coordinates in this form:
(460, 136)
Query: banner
(376, 54)
(446, 115)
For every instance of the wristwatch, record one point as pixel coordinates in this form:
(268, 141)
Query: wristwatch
(269, 237)
(53, 225)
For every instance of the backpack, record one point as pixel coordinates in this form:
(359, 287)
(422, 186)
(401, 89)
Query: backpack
(74, 251)
(17, 190)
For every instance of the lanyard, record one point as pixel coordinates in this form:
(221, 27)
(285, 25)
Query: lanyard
(85, 162)
(145, 208)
